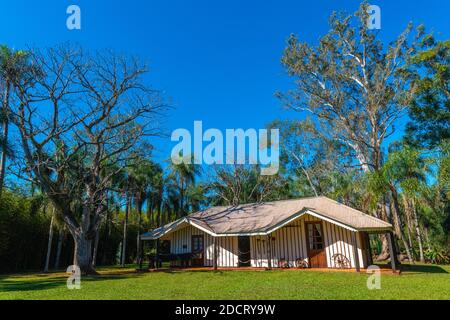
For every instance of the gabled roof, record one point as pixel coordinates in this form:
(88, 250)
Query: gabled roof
(264, 218)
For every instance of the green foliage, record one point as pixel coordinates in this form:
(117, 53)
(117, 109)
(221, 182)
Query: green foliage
(12, 63)
(444, 168)
(430, 109)
(438, 256)
(181, 178)
(408, 168)
(22, 226)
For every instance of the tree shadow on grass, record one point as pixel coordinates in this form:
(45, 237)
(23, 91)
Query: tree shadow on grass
(30, 285)
(11, 284)
(420, 268)
(174, 271)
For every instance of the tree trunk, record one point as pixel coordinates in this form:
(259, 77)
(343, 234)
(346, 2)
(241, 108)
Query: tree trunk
(418, 233)
(94, 253)
(49, 244)
(121, 243)
(169, 214)
(385, 253)
(82, 253)
(4, 135)
(124, 241)
(107, 235)
(181, 198)
(150, 210)
(59, 247)
(159, 215)
(408, 231)
(138, 244)
(407, 208)
(396, 222)
(427, 238)
(362, 159)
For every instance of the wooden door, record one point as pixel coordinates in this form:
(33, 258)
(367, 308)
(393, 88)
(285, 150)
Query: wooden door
(244, 251)
(316, 246)
(198, 249)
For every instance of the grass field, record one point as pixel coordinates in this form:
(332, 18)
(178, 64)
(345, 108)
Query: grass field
(416, 282)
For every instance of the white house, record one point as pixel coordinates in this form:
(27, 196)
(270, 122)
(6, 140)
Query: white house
(310, 232)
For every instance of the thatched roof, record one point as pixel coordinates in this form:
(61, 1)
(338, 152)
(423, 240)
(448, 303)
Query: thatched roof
(264, 218)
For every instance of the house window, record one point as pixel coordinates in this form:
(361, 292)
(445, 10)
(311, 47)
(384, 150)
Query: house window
(315, 236)
(197, 243)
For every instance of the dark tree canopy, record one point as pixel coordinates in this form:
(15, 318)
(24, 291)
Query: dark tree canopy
(430, 109)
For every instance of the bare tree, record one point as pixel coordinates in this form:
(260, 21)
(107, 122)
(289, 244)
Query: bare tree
(80, 115)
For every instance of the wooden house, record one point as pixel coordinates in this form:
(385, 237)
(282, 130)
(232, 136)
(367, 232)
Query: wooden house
(312, 232)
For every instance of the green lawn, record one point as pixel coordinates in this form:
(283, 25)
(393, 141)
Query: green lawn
(418, 282)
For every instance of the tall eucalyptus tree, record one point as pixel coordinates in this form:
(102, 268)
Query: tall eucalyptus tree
(354, 88)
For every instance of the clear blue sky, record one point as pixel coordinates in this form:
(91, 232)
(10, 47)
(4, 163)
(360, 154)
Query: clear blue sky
(218, 61)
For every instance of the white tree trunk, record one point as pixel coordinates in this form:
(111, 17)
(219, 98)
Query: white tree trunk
(82, 253)
(124, 241)
(59, 247)
(362, 159)
(95, 253)
(138, 240)
(419, 234)
(427, 238)
(49, 244)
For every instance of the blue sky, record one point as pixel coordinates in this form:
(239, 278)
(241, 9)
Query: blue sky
(217, 61)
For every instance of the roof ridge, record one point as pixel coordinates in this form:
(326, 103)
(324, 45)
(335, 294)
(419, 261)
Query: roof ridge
(254, 203)
(275, 201)
(358, 211)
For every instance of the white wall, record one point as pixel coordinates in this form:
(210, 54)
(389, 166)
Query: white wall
(180, 242)
(289, 243)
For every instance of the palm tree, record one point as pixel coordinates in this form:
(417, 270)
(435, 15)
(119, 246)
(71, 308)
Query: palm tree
(238, 184)
(115, 186)
(11, 67)
(141, 181)
(119, 189)
(197, 197)
(155, 194)
(125, 228)
(183, 175)
(159, 184)
(140, 178)
(408, 169)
